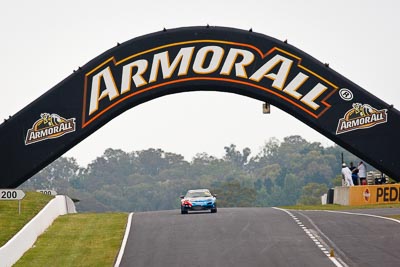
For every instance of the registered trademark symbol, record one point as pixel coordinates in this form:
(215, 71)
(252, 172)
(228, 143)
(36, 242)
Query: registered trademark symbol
(346, 94)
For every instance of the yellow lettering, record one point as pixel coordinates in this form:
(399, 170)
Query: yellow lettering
(111, 89)
(278, 78)
(248, 58)
(217, 54)
(162, 59)
(310, 97)
(137, 79)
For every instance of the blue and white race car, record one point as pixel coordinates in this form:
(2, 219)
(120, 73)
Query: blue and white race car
(197, 200)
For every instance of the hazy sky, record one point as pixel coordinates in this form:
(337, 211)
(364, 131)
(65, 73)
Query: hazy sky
(42, 42)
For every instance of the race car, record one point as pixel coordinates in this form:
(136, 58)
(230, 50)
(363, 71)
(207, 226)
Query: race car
(198, 200)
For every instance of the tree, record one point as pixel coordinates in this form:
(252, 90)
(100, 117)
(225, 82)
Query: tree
(237, 158)
(292, 189)
(232, 194)
(282, 173)
(311, 194)
(203, 159)
(112, 167)
(56, 176)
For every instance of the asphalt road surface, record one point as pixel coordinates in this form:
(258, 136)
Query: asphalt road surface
(231, 237)
(357, 238)
(263, 237)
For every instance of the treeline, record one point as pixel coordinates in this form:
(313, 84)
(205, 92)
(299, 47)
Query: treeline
(282, 173)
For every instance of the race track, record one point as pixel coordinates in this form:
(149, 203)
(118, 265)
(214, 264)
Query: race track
(261, 237)
(359, 237)
(231, 237)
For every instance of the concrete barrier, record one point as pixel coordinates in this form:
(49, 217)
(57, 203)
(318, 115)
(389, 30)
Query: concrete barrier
(324, 197)
(367, 194)
(341, 195)
(26, 237)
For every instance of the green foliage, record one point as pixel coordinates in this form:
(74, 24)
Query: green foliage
(237, 158)
(337, 181)
(153, 179)
(311, 194)
(232, 194)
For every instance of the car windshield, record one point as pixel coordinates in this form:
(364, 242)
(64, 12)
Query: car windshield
(194, 194)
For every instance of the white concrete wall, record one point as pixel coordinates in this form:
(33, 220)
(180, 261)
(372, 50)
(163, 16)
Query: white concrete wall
(324, 197)
(26, 237)
(341, 195)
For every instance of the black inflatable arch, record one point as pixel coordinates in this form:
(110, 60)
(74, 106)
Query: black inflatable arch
(198, 59)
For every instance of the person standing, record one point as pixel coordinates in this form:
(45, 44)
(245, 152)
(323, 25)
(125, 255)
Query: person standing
(346, 173)
(354, 174)
(362, 173)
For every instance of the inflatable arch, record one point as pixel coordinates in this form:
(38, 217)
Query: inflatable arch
(198, 59)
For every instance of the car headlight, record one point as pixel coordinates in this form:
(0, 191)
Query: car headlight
(186, 202)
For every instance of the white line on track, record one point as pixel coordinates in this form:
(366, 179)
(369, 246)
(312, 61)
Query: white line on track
(312, 237)
(123, 245)
(363, 214)
(346, 213)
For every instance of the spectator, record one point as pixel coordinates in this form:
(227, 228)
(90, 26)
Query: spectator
(354, 174)
(362, 173)
(346, 173)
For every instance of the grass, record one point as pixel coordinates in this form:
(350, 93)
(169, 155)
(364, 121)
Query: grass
(11, 222)
(83, 239)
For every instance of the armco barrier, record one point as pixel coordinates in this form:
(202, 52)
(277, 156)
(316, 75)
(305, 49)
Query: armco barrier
(26, 237)
(367, 194)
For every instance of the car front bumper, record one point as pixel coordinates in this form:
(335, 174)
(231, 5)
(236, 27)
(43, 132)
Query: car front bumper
(199, 206)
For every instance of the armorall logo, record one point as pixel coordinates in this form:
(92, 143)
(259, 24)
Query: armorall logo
(361, 117)
(49, 126)
(275, 71)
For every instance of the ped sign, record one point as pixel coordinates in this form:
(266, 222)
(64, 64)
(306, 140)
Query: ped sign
(387, 194)
(10, 194)
(374, 194)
